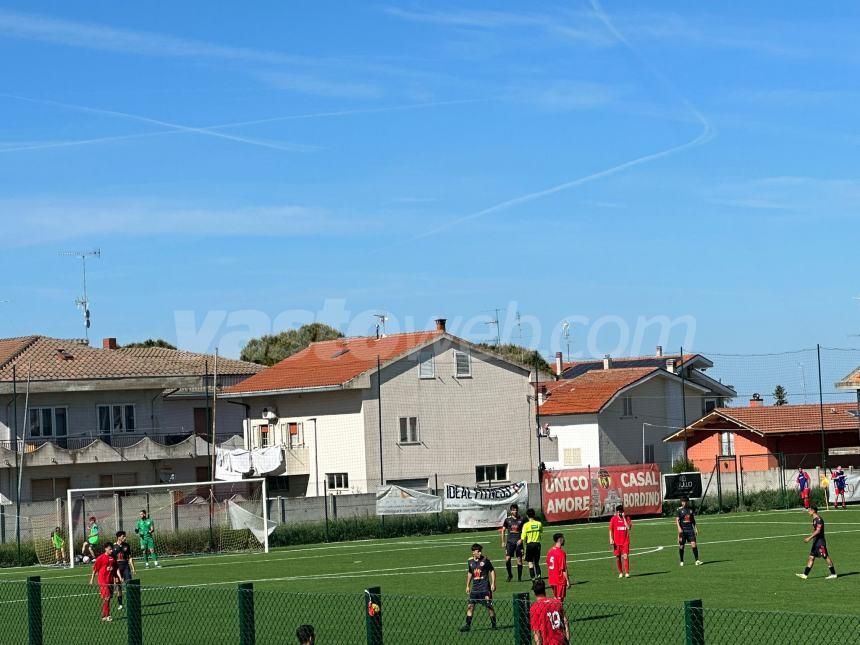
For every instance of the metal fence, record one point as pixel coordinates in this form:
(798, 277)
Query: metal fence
(44, 613)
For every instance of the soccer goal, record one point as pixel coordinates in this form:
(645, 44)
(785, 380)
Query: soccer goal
(187, 519)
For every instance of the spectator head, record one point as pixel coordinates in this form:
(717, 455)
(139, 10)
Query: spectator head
(305, 634)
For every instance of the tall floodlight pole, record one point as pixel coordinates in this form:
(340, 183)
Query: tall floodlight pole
(83, 303)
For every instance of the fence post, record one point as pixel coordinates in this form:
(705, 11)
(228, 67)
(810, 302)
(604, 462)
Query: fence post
(694, 620)
(247, 628)
(134, 618)
(34, 610)
(325, 507)
(522, 631)
(373, 615)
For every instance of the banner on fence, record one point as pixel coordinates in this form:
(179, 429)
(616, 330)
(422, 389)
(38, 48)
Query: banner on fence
(852, 488)
(464, 498)
(396, 500)
(485, 518)
(679, 485)
(595, 492)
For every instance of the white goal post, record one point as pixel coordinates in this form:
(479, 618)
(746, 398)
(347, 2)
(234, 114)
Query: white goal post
(190, 517)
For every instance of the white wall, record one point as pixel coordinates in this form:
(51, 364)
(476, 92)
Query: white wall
(579, 431)
(339, 429)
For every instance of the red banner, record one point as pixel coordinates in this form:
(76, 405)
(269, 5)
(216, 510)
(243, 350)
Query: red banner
(580, 493)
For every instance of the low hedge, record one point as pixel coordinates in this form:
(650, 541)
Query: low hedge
(765, 500)
(9, 556)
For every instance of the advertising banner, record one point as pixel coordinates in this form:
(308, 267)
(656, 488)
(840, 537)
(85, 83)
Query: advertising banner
(396, 500)
(486, 518)
(581, 493)
(463, 498)
(852, 488)
(679, 485)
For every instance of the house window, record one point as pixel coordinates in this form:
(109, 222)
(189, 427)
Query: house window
(628, 406)
(573, 456)
(338, 481)
(727, 443)
(264, 436)
(492, 473)
(462, 364)
(710, 406)
(48, 422)
(278, 483)
(294, 429)
(45, 490)
(116, 418)
(649, 453)
(118, 479)
(426, 366)
(409, 430)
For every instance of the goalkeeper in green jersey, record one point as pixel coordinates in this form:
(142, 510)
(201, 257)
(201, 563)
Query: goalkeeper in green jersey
(59, 545)
(145, 530)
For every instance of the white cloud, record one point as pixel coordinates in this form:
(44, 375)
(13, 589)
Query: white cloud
(37, 221)
(793, 195)
(562, 96)
(315, 86)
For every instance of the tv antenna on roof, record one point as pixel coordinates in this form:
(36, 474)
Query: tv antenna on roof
(380, 326)
(565, 331)
(495, 321)
(83, 303)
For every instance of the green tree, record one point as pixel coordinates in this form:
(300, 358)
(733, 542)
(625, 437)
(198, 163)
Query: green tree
(780, 396)
(517, 354)
(271, 349)
(152, 342)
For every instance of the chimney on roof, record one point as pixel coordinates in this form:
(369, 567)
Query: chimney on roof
(756, 401)
(440, 324)
(607, 362)
(670, 365)
(109, 343)
(558, 364)
(659, 351)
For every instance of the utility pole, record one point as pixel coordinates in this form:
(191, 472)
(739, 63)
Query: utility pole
(17, 464)
(821, 411)
(539, 433)
(565, 328)
(83, 303)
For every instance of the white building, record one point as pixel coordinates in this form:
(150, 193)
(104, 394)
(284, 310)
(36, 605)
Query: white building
(449, 412)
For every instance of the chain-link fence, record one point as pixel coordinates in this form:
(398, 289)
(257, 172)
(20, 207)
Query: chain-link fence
(45, 613)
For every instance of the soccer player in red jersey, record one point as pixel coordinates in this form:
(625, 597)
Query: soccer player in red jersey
(556, 564)
(104, 566)
(548, 623)
(803, 484)
(619, 540)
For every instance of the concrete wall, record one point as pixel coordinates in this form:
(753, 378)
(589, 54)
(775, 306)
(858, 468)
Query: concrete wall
(658, 402)
(463, 422)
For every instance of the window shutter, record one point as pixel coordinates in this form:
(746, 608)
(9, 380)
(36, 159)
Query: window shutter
(462, 363)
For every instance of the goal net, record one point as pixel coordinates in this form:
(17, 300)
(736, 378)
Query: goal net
(187, 519)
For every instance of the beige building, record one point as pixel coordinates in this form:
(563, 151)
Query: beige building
(448, 411)
(107, 416)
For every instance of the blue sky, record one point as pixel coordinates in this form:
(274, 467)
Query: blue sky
(247, 168)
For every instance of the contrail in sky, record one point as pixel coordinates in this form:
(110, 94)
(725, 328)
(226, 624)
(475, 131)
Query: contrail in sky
(702, 137)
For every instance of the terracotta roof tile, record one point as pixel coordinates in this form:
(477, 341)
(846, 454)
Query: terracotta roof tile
(49, 359)
(331, 362)
(589, 393)
(791, 419)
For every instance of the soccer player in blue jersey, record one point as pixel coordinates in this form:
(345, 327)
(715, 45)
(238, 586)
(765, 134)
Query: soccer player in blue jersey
(803, 485)
(839, 481)
(687, 530)
(480, 585)
(819, 546)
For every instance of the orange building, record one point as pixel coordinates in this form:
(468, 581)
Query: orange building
(760, 436)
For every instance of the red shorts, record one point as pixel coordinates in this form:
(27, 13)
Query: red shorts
(840, 491)
(559, 591)
(621, 549)
(804, 492)
(105, 590)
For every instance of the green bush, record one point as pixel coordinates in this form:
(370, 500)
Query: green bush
(9, 555)
(764, 500)
(364, 528)
(684, 466)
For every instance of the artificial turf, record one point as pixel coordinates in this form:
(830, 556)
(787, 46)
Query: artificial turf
(749, 564)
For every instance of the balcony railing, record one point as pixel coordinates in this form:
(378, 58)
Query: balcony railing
(163, 436)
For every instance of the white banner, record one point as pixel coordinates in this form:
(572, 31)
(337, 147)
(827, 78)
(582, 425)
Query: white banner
(396, 500)
(463, 498)
(486, 518)
(852, 488)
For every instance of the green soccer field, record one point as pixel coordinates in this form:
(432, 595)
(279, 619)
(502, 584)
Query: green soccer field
(750, 561)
